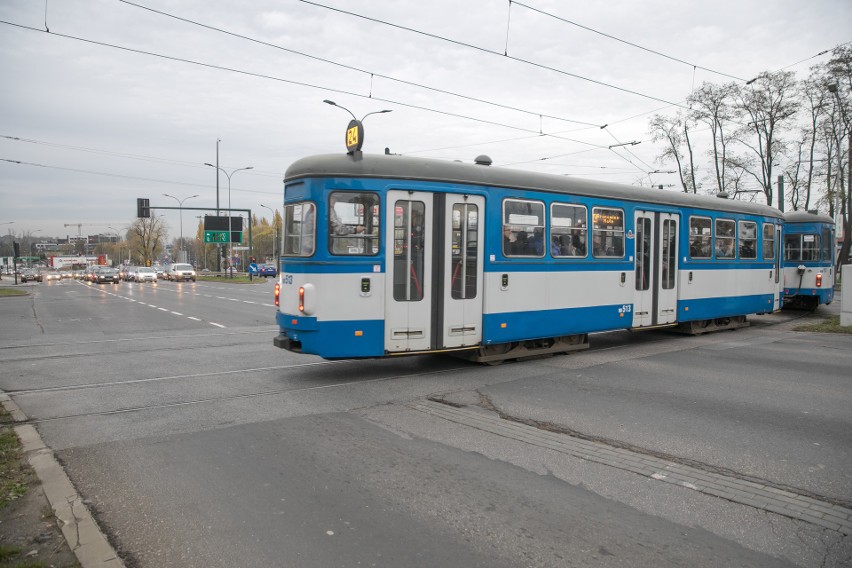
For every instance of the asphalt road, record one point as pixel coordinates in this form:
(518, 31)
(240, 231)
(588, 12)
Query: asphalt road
(197, 443)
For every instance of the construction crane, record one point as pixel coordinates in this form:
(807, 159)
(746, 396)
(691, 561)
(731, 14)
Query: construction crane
(80, 229)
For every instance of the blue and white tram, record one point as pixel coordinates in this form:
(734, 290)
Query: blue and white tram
(391, 255)
(808, 259)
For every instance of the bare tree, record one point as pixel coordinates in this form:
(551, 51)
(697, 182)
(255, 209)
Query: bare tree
(839, 77)
(147, 238)
(674, 133)
(713, 105)
(770, 103)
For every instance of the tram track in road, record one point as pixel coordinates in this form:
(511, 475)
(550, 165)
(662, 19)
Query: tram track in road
(208, 400)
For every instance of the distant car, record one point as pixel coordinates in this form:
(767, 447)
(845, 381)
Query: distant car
(144, 274)
(53, 275)
(104, 274)
(180, 272)
(266, 270)
(29, 275)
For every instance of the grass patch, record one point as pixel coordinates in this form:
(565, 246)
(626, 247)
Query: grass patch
(830, 325)
(14, 479)
(12, 292)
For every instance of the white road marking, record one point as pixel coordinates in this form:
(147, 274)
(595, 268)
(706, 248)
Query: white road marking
(216, 324)
(192, 318)
(177, 313)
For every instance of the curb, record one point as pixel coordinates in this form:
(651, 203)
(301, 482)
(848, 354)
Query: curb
(79, 528)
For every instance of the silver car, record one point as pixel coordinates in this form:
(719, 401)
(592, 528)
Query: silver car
(179, 272)
(144, 274)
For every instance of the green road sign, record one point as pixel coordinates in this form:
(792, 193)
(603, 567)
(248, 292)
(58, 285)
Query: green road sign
(222, 236)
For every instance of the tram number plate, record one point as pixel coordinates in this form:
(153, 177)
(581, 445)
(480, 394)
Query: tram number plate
(286, 278)
(625, 309)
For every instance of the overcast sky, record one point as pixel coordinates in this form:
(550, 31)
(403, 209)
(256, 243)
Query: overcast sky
(119, 101)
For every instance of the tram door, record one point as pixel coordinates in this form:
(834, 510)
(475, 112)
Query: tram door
(434, 271)
(655, 276)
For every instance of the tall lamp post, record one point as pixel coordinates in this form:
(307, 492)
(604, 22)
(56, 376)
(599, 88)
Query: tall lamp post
(118, 236)
(180, 212)
(230, 237)
(274, 233)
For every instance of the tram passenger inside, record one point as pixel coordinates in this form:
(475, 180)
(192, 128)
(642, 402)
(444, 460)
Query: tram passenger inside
(336, 226)
(724, 248)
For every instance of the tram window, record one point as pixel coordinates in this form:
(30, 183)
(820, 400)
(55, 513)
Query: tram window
(567, 230)
(523, 228)
(299, 229)
(353, 223)
(793, 247)
(724, 238)
(700, 237)
(643, 253)
(810, 247)
(465, 251)
(748, 239)
(768, 241)
(827, 239)
(607, 232)
(409, 253)
(669, 237)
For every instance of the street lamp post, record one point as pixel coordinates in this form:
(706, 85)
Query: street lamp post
(274, 233)
(118, 236)
(180, 213)
(230, 237)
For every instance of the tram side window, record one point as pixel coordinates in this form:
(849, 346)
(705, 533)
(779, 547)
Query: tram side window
(827, 239)
(700, 237)
(299, 229)
(748, 239)
(523, 228)
(409, 250)
(810, 247)
(607, 232)
(724, 238)
(353, 223)
(465, 251)
(568, 230)
(768, 241)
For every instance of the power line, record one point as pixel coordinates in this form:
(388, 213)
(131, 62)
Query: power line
(293, 82)
(120, 176)
(353, 68)
(612, 37)
(489, 51)
(139, 157)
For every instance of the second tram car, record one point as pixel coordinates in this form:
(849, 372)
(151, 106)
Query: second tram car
(808, 259)
(388, 255)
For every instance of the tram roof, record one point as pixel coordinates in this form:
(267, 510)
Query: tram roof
(806, 217)
(382, 166)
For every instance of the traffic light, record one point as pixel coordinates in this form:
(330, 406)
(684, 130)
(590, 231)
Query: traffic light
(143, 207)
(17, 248)
(253, 260)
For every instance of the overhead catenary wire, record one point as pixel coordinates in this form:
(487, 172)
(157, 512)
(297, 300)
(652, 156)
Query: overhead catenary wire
(372, 74)
(489, 51)
(630, 43)
(121, 176)
(299, 83)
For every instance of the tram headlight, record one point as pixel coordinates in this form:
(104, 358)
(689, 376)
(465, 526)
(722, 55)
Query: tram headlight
(819, 280)
(277, 293)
